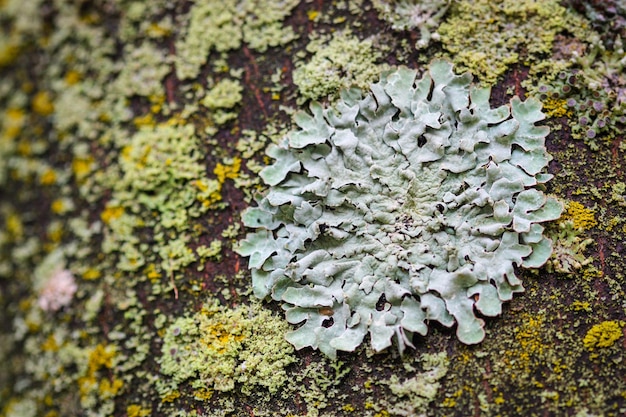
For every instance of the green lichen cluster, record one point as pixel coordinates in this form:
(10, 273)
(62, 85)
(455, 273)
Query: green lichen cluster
(159, 183)
(489, 37)
(217, 348)
(591, 93)
(358, 242)
(412, 15)
(417, 392)
(338, 61)
(223, 26)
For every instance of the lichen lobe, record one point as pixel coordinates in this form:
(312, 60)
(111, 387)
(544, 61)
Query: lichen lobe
(407, 204)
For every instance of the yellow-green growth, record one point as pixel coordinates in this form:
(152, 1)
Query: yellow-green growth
(340, 61)
(416, 393)
(581, 217)
(486, 36)
(223, 26)
(222, 99)
(217, 348)
(603, 335)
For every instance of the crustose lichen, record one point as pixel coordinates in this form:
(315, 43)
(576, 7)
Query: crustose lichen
(406, 204)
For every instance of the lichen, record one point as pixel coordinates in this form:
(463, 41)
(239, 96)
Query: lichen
(591, 89)
(160, 172)
(412, 14)
(580, 216)
(222, 98)
(487, 37)
(420, 390)
(568, 254)
(603, 335)
(80, 81)
(144, 73)
(218, 348)
(393, 208)
(224, 26)
(337, 61)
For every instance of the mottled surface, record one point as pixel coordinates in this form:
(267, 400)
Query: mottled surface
(131, 138)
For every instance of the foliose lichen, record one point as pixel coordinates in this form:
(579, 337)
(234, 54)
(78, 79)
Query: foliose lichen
(407, 204)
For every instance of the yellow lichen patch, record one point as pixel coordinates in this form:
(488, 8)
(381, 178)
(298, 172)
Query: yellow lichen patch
(81, 167)
(556, 107)
(13, 123)
(170, 397)
(219, 337)
(135, 410)
(24, 148)
(581, 306)
(603, 335)
(203, 394)
(146, 120)
(582, 217)
(528, 347)
(72, 77)
(109, 389)
(231, 170)
(100, 357)
(42, 104)
(111, 213)
(209, 191)
(50, 344)
(91, 274)
(158, 31)
(48, 177)
(55, 233)
(152, 274)
(8, 53)
(57, 206)
(14, 226)
(529, 335)
(157, 101)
